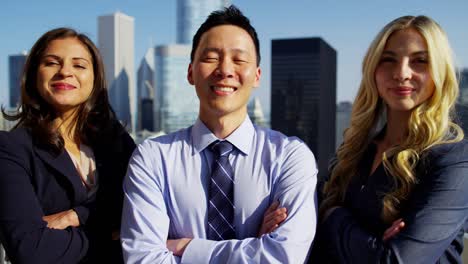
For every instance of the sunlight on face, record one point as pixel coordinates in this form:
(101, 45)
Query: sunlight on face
(403, 75)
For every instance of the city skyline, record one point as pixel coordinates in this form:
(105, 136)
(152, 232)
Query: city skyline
(348, 27)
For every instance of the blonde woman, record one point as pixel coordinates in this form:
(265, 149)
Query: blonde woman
(397, 192)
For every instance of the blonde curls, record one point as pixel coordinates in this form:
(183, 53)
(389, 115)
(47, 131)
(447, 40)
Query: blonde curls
(429, 124)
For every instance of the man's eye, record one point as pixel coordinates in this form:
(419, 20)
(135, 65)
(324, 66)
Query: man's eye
(240, 61)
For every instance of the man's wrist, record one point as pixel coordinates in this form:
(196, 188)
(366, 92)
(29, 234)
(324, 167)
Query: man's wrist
(178, 246)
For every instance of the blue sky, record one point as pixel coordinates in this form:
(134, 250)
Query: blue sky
(348, 26)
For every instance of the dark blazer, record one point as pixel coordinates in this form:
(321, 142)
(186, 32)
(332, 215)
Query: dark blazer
(35, 182)
(435, 214)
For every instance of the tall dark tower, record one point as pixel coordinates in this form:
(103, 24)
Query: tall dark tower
(16, 65)
(303, 94)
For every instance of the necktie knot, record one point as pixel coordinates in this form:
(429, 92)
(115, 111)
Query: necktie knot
(221, 148)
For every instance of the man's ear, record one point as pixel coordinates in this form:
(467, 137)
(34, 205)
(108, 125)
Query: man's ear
(258, 73)
(189, 74)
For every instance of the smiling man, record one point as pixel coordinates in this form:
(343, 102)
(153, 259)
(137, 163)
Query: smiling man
(199, 195)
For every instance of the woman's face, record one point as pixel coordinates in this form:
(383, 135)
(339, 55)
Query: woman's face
(403, 75)
(65, 76)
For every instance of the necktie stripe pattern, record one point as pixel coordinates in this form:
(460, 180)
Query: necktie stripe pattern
(224, 170)
(221, 194)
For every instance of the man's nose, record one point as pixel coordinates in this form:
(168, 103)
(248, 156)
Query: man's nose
(225, 69)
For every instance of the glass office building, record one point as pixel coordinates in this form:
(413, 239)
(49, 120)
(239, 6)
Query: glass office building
(176, 103)
(191, 14)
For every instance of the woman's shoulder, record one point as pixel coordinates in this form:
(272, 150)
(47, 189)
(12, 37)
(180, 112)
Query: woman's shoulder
(446, 165)
(18, 137)
(448, 153)
(16, 145)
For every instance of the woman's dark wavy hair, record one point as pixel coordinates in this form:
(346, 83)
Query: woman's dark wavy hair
(94, 117)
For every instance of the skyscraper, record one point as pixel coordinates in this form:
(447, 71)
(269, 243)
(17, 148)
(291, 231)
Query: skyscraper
(255, 111)
(463, 98)
(343, 118)
(145, 91)
(303, 94)
(116, 43)
(146, 115)
(176, 103)
(191, 14)
(462, 104)
(15, 65)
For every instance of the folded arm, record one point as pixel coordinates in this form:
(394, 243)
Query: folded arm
(23, 232)
(146, 223)
(434, 215)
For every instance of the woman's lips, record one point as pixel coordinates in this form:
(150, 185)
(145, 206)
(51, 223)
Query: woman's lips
(403, 90)
(63, 86)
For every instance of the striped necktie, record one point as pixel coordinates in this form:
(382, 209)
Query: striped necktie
(221, 194)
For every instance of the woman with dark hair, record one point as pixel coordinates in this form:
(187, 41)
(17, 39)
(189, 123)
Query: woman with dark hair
(64, 162)
(397, 192)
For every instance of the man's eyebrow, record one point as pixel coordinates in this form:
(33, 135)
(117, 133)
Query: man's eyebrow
(206, 50)
(217, 50)
(240, 51)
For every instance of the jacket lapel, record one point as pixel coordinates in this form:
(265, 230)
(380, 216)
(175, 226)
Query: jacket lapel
(63, 164)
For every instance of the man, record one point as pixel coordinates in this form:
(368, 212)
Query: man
(188, 201)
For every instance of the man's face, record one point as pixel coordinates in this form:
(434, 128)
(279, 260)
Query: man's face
(224, 71)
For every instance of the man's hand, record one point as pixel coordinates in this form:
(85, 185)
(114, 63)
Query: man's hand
(272, 218)
(177, 246)
(62, 220)
(393, 230)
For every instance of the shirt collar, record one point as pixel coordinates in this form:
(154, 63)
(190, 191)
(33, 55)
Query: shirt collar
(241, 138)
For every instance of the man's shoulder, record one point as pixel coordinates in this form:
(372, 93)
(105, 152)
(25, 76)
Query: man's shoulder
(278, 139)
(168, 141)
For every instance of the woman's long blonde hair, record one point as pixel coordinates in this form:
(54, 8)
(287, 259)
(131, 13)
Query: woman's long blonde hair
(430, 123)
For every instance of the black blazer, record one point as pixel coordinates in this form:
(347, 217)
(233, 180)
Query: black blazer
(435, 214)
(35, 182)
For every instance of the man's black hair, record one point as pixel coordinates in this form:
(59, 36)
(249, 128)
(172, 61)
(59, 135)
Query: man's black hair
(228, 16)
